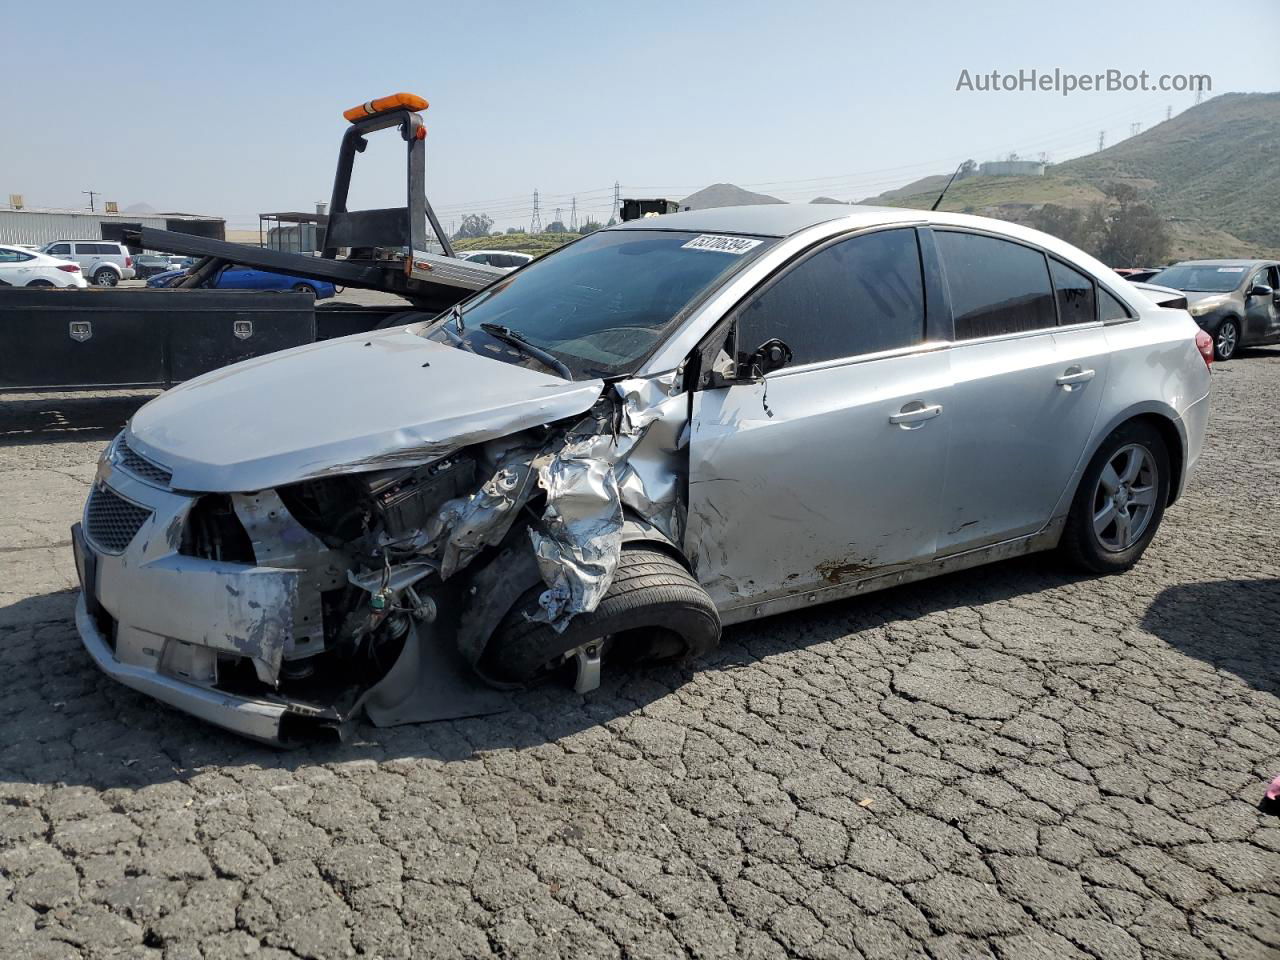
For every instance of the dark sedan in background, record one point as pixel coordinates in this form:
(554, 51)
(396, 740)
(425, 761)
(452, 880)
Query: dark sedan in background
(1237, 302)
(245, 278)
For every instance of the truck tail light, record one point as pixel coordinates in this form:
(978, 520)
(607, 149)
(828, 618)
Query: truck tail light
(69, 267)
(128, 260)
(1204, 343)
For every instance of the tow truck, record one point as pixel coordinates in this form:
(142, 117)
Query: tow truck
(111, 337)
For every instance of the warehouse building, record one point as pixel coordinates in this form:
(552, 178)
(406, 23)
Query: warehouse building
(37, 226)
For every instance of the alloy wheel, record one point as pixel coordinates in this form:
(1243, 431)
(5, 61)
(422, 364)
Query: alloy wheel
(1228, 337)
(1124, 500)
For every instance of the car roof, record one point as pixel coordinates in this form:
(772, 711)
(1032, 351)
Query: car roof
(768, 219)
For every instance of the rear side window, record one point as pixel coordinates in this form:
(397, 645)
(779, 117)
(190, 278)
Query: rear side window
(14, 256)
(858, 296)
(1076, 299)
(997, 286)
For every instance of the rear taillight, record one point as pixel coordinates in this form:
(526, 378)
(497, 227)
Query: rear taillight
(128, 261)
(69, 267)
(1204, 343)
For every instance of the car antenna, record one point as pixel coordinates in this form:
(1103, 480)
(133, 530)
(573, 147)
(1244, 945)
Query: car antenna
(948, 186)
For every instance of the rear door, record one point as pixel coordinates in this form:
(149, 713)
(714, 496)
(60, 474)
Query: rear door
(831, 468)
(1027, 391)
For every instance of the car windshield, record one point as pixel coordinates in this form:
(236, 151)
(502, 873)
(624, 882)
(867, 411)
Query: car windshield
(1200, 277)
(601, 305)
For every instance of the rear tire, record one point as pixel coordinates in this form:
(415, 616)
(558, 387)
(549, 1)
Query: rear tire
(1226, 341)
(653, 610)
(1120, 501)
(105, 278)
(304, 288)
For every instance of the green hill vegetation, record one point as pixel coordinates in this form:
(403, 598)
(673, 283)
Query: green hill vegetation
(1209, 173)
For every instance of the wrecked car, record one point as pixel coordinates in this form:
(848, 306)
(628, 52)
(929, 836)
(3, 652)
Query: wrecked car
(665, 427)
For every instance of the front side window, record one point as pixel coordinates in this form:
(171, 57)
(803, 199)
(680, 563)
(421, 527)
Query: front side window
(997, 286)
(60, 248)
(858, 296)
(1076, 301)
(600, 305)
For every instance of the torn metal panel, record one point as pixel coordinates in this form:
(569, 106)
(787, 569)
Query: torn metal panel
(280, 541)
(580, 540)
(369, 402)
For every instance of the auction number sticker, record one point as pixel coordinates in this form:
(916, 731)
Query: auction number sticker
(721, 244)
(1231, 269)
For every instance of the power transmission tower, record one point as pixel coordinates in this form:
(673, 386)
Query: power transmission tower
(573, 215)
(558, 220)
(92, 194)
(1199, 96)
(617, 202)
(1102, 139)
(535, 224)
(1134, 129)
(1168, 112)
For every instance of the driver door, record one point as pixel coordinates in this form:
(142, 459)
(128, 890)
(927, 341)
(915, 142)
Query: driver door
(831, 468)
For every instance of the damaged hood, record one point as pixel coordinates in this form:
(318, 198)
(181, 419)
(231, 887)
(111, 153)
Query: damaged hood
(366, 402)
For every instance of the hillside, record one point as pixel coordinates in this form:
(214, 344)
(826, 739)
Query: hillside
(1210, 172)
(723, 195)
(534, 243)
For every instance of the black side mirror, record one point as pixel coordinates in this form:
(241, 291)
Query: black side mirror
(1259, 290)
(769, 356)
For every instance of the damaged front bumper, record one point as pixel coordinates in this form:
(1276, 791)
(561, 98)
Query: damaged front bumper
(254, 612)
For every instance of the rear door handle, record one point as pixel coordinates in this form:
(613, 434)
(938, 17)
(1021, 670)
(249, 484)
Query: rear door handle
(915, 412)
(1075, 375)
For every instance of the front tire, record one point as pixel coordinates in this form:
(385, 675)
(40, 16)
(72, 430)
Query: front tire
(105, 278)
(1120, 501)
(304, 288)
(1226, 341)
(40, 283)
(653, 610)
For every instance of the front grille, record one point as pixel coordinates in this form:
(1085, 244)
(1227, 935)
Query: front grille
(110, 521)
(140, 466)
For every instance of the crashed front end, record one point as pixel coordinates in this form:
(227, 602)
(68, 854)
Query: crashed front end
(369, 586)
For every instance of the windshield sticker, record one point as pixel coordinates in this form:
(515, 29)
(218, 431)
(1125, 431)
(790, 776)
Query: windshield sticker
(1231, 269)
(719, 244)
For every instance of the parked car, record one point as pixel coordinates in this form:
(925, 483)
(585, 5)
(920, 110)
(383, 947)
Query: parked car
(505, 259)
(1236, 301)
(146, 265)
(104, 262)
(247, 278)
(664, 427)
(20, 267)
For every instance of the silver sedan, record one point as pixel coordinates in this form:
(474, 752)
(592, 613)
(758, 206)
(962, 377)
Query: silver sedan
(663, 428)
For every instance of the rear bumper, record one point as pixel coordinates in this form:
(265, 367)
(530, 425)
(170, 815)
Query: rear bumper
(1195, 419)
(259, 719)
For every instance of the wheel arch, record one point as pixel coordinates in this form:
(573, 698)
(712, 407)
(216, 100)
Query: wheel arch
(1162, 418)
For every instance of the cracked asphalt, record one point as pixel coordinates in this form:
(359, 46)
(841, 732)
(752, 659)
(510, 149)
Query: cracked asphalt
(1009, 762)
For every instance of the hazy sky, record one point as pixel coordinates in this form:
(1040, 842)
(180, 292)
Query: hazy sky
(235, 108)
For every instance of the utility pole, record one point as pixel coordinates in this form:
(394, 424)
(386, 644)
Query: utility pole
(92, 194)
(1102, 139)
(535, 224)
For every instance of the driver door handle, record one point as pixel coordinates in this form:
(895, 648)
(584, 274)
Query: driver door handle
(915, 412)
(1075, 375)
